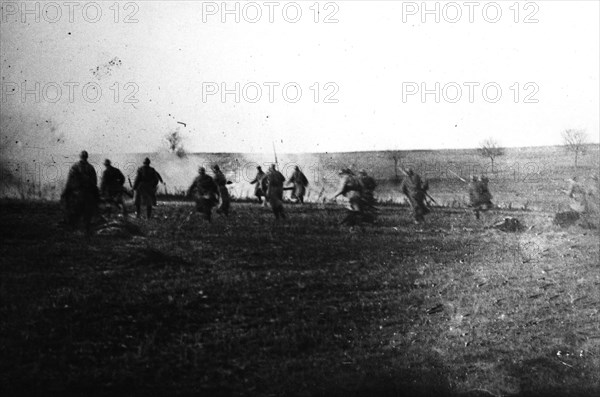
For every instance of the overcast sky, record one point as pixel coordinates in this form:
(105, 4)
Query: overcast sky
(371, 64)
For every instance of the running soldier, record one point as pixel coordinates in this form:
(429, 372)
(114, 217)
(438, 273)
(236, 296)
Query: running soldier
(359, 210)
(257, 181)
(273, 186)
(224, 198)
(300, 183)
(80, 196)
(146, 182)
(583, 195)
(204, 190)
(480, 197)
(368, 185)
(415, 190)
(112, 188)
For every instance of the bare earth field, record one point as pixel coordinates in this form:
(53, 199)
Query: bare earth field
(248, 306)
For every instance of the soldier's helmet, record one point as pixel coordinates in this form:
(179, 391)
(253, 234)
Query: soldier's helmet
(216, 167)
(346, 171)
(107, 162)
(363, 172)
(146, 161)
(201, 170)
(83, 155)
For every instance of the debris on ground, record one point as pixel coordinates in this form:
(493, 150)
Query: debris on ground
(436, 309)
(118, 228)
(509, 224)
(566, 219)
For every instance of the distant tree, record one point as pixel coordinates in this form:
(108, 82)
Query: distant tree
(491, 149)
(175, 143)
(575, 142)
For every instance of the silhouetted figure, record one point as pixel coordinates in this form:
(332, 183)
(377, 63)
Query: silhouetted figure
(204, 191)
(145, 184)
(257, 182)
(273, 186)
(224, 198)
(112, 188)
(300, 183)
(80, 196)
(415, 190)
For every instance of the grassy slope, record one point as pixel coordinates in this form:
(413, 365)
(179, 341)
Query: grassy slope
(247, 306)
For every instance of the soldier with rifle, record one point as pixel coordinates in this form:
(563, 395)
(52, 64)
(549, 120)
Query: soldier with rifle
(273, 186)
(415, 190)
(112, 188)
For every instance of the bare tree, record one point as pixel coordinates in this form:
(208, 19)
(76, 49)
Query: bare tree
(575, 142)
(491, 149)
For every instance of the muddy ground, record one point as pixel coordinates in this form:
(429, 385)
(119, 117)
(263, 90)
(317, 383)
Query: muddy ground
(249, 306)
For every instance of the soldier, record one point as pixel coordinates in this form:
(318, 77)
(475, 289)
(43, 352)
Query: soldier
(415, 190)
(257, 181)
(205, 191)
(358, 206)
(273, 186)
(112, 188)
(300, 183)
(368, 185)
(224, 199)
(145, 184)
(480, 197)
(80, 196)
(584, 196)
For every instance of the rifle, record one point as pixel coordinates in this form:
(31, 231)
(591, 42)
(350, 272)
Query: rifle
(458, 176)
(275, 154)
(430, 198)
(131, 186)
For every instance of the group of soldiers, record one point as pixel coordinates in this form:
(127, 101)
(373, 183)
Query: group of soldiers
(81, 196)
(209, 192)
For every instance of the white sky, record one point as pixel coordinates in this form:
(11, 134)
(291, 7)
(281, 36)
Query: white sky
(170, 52)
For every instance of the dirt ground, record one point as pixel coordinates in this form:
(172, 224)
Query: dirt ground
(250, 306)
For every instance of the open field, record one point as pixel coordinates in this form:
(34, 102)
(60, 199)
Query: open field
(248, 306)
